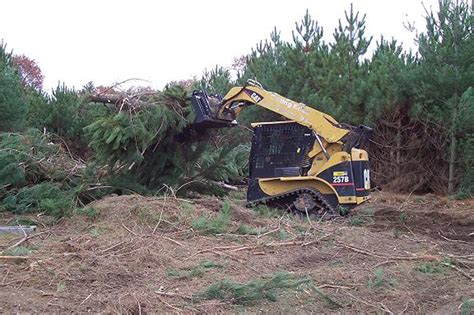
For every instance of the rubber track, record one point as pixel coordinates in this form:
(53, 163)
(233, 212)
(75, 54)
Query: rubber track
(327, 207)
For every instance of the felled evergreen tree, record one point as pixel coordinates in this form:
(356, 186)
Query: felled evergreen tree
(152, 142)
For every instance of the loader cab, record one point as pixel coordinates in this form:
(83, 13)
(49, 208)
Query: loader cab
(280, 149)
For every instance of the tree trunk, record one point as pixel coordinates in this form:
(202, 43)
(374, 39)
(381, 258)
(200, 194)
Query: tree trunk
(398, 147)
(454, 120)
(452, 153)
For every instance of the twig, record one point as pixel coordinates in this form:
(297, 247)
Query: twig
(172, 240)
(406, 201)
(379, 255)
(14, 281)
(307, 217)
(284, 244)
(54, 304)
(270, 232)
(218, 248)
(385, 308)
(130, 231)
(5, 277)
(451, 240)
(228, 256)
(459, 270)
(384, 263)
(405, 309)
(174, 295)
(240, 248)
(85, 299)
(24, 239)
(318, 240)
(272, 244)
(460, 256)
(14, 257)
(112, 247)
(224, 185)
(139, 305)
(333, 286)
(365, 302)
(161, 215)
(169, 305)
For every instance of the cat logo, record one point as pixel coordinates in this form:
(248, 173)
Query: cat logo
(253, 95)
(256, 97)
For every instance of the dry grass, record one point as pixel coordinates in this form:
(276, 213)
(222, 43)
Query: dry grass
(132, 254)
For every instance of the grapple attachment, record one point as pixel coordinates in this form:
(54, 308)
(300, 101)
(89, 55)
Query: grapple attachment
(206, 109)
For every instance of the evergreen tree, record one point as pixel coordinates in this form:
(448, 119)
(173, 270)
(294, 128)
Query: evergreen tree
(447, 49)
(304, 60)
(216, 81)
(346, 70)
(13, 104)
(466, 118)
(292, 69)
(392, 79)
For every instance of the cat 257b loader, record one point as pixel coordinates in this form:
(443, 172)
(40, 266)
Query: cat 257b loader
(309, 163)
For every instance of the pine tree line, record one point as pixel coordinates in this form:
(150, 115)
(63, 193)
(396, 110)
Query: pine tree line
(421, 105)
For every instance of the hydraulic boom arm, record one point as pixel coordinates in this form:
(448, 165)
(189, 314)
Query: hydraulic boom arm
(240, 97)
(217, 112)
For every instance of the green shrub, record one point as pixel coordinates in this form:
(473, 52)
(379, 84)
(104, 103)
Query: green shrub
(66, 113)
(365, 216)
(357, 220)
(381, 280)
(22, 221)
(210, 264)
(192, 272)
(266, 211)
(61, 286)
(18, 251)
(252, 291)
(432, 267)
(467, 306)
(184, 274)
(24, 158)
(343, 210)
(217, 225)
(330, 302)
(90, 212)
(403, 217)
(45, 197)
(283, 234)
(245, 229)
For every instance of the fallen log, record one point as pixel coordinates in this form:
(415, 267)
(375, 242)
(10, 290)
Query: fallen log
(118, 99)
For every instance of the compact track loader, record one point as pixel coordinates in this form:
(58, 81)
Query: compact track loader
(309, 162)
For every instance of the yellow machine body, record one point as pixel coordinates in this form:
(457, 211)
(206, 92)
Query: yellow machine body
(309, 159)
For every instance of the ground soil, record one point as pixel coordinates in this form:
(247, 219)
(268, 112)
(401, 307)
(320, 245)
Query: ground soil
(124, 258)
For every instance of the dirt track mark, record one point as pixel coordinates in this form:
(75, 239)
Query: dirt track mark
(434, 224)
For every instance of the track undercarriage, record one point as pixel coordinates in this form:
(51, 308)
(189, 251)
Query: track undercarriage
(305, 201)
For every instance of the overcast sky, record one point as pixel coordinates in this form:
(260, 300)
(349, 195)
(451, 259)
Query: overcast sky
(109, 41)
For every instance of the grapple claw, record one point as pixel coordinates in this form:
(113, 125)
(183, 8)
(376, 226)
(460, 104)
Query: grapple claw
(206, 109)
